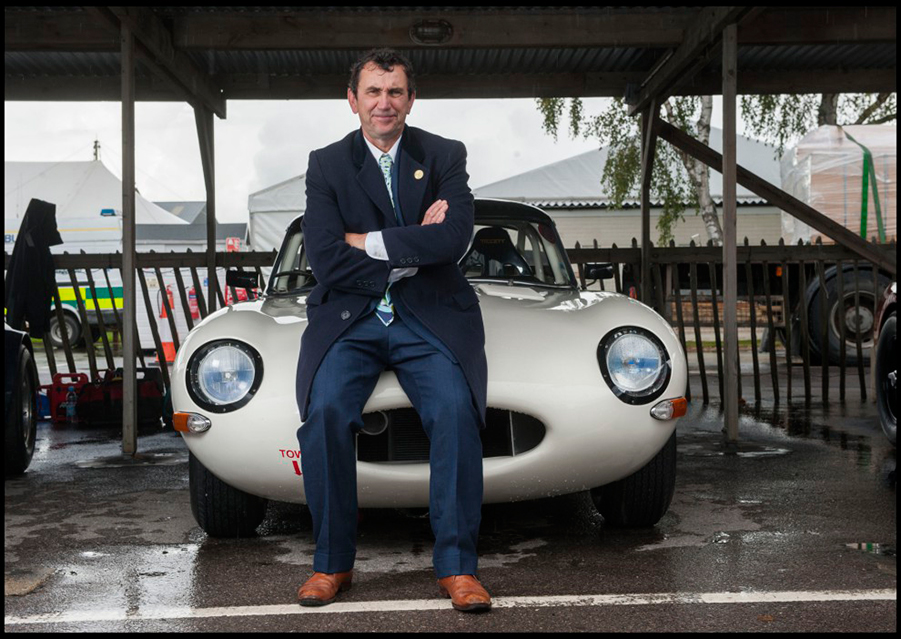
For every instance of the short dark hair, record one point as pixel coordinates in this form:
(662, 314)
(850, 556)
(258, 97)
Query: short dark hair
(386, 59)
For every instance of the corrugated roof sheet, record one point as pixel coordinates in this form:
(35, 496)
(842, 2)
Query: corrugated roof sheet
(576, 182)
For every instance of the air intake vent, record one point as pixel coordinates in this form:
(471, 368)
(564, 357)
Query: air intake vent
(507, 433)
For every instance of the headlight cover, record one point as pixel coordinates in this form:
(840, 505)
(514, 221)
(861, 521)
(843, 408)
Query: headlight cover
(634, 364)
(224, 375)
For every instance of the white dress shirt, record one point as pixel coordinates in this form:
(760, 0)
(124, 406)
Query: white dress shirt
(375, 245)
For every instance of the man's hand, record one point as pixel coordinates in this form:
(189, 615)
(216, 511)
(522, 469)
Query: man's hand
(435, 214)
(356, 240)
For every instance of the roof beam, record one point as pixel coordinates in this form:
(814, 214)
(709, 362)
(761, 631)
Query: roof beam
(502, 28)
(797, 26)
(161, 56)
(77, 31)
(689, 57)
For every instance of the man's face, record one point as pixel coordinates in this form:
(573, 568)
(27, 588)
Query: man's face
(382, 103)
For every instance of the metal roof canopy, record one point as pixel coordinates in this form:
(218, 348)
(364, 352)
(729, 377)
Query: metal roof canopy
(207, 55)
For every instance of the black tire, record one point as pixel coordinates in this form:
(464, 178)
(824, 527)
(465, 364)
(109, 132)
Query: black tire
(864, 318)
(72, 325)
(642, 498)
(220, 509)
(886, 380)
(22, 417)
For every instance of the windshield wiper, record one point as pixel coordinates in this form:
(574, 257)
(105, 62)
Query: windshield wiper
(293, 271)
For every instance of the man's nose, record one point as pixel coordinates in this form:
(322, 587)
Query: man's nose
(384, 102)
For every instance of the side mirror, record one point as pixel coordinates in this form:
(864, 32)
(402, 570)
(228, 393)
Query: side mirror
(242, 279)
(599, 271)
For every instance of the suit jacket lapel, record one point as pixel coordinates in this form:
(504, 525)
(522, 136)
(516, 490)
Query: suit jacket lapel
(411, 189)
(371, 179)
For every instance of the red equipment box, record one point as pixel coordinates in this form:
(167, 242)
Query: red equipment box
(57, 391)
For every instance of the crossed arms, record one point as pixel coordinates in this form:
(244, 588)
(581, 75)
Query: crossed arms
(339, 259)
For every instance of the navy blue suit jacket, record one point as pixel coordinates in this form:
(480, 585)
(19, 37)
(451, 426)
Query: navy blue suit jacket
(346, 193)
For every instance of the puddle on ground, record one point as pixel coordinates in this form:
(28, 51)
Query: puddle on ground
(886, 550)
(139, 459)
(717, 448)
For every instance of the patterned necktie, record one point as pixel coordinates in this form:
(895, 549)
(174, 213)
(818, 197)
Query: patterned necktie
(385, 309)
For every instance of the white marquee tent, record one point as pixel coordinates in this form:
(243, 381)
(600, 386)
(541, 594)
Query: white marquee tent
(272, 210)
(88, 200)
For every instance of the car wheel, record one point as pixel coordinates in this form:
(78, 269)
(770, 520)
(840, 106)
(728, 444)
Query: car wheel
(72, 326)
(857, 320)
(222, 510)
(642, 498)
(21, 424)
(886, 378)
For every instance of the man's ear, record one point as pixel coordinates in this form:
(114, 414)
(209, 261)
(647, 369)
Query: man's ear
(352, 99)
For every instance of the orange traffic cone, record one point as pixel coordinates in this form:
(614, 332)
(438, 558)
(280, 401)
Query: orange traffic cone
(166, 332)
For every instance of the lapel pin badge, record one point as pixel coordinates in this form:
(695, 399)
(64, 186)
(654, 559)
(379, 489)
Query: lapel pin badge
(418, 174)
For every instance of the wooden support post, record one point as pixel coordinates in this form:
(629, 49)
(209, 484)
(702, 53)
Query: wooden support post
(129, 381)
(648, 147)
(204, 120)
(730, 247)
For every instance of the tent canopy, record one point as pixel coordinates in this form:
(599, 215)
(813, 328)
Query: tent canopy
(82, 192)
(272, 209)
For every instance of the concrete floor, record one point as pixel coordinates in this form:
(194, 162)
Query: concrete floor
(793, 529)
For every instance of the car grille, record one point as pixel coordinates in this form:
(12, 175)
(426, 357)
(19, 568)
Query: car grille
(403, 439)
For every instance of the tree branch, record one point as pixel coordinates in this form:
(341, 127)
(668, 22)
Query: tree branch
(887, 118)
(880, 100)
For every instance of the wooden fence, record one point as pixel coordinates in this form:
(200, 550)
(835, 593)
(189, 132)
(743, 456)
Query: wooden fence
(81, 269)
(768, 306)
(685, 290)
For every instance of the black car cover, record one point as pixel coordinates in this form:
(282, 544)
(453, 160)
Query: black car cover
(30, 276)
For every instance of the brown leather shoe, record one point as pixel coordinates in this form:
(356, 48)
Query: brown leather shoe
(465, 592)
(322, 588)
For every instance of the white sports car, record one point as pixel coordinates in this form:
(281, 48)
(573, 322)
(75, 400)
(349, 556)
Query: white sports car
(584, 389)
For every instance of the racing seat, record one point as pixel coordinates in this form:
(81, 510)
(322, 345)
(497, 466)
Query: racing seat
(496, 254)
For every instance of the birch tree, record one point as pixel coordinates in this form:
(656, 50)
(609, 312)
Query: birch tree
(780, 120)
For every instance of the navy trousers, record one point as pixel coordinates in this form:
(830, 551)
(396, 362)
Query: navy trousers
(438, 391)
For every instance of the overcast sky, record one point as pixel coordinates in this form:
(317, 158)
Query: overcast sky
(262, 143)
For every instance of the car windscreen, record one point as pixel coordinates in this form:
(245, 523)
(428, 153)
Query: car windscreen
(523, 251)
(291, 272)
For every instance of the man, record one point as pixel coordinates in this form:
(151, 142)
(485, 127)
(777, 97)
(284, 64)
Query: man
(388, 215)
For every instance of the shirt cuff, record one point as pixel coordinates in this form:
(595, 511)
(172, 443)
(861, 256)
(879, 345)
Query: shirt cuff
(375, 246)
(400, 273)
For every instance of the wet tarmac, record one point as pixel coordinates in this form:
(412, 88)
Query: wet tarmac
(791, 529)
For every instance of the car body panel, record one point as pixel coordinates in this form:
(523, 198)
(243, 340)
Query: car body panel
(541, 346)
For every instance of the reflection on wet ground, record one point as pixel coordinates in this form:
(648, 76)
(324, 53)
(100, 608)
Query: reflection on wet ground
(783, 509)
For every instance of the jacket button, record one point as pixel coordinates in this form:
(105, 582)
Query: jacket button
(345, 315)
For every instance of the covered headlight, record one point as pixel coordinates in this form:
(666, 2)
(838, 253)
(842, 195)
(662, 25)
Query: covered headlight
(634, 364)
(224, 375)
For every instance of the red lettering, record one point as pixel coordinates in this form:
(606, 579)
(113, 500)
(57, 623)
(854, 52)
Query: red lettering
(297, 470)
